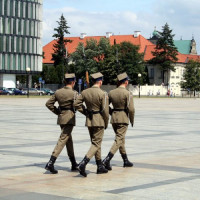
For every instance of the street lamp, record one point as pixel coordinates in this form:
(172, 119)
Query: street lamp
(28, 72)
(139, 76)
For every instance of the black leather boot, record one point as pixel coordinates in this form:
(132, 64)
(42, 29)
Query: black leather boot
(50, 165)
(100, 167)
(82, 165)
(106, 161)
(74, 164)
(127, 163)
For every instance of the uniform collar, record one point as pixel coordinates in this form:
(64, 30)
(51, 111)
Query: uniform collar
(66, 87)
(122, 87)
(95, 86)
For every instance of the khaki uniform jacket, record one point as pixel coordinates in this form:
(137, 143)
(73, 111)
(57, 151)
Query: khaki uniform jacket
(95, 100)
(65, 98)
(121, 98)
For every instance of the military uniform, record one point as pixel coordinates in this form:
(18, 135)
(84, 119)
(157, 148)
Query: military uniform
(66, 119)
(123, 111)
(97, 116)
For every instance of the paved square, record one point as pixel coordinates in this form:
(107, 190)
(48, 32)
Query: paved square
(164, 145)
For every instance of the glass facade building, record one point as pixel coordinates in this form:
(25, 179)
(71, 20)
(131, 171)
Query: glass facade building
(20, 36)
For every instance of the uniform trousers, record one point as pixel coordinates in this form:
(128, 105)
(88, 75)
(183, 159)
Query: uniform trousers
(96, 136)
(119, 143)
(65, 139)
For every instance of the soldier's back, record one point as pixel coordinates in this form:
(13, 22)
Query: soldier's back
(65, 96)
(118, 97)
(93, 98)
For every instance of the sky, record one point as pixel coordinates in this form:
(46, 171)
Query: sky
(123, 17)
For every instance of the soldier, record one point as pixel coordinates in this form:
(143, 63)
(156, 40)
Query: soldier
(66, 119)
(97, 116)
(123, 111)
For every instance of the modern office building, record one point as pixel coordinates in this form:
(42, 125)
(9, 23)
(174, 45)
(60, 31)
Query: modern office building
(20, 39)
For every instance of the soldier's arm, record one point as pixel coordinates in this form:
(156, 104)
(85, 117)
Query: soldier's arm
(50, 105)
(131, 109)
(105, 109)
(78, 104)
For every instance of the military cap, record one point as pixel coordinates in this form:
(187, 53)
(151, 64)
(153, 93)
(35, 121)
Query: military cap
(122, 77)
(97, 76)
(70, 77)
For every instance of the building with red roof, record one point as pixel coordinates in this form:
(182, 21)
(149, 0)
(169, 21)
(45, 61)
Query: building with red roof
(145, 46)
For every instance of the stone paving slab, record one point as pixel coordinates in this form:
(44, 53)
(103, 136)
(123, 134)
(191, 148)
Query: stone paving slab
(164, 145)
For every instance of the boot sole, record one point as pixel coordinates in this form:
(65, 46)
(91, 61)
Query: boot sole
(82, 173)
(127, 166)
(50, 170)
(102, 172)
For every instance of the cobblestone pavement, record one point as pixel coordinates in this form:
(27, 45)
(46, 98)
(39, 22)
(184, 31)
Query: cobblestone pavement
(164, 145)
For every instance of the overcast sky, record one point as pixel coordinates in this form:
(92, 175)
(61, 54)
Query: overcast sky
(123, 17)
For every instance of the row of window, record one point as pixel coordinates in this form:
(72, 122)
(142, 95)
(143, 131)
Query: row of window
(21, 9)
(20, 27)
(20, 62)
(14, 44)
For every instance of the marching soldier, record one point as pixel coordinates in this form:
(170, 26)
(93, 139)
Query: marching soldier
(66, 119)
(123, 111)
(97, 116)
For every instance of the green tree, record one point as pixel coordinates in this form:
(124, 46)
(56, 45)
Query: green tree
(165, 54)
(107, 61)
(192, 76)
(131, 61)
(60, 55)
(110, 60)
(85, 58)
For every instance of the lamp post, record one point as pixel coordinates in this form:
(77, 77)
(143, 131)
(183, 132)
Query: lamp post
(139, 76)
(28, 73)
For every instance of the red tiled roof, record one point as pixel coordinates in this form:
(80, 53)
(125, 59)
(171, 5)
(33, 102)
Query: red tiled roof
(71, 47)
(182, 58)
(145, 45)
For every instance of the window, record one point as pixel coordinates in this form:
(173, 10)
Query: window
(21, 9)
(16, 8)
(24, 27)
(0, 61)
(7, 43)
(8, 62)
(1, 25)
(8, 25)
(12, 44)
(152, 73)
(19, 62)
(19, 27)
(1, 7)
(24, 62)
(5, 7)
(8, 7)
(31, 11)
(1, 43)
(11, 8)
(14, 62)
(3, 61)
